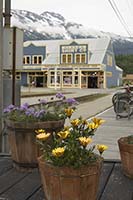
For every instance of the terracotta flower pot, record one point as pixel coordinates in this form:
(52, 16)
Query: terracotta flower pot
(126, 153)
(22, 141)
(64, 183)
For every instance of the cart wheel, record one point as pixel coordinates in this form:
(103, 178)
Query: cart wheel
(122, 108)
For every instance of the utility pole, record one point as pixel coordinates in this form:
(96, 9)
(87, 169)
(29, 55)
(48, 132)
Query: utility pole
(5, 17)
(1, 70)
(7, 13)
(7, 24)
(11, 40)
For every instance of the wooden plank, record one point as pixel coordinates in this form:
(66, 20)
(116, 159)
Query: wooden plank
(39, 195)
(24, 188)
(106, 170)
(118, 186)
(5, 164)
(9, 179)
(16, 185)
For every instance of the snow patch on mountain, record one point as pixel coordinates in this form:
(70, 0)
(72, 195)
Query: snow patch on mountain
(51, 25)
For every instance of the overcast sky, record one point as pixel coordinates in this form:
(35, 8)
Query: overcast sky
(95, 14)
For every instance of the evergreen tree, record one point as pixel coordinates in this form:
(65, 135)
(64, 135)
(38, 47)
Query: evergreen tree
(125, 62)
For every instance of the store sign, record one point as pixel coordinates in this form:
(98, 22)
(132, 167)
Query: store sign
(74, 49)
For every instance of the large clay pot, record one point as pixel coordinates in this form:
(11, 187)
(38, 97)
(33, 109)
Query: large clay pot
(64, 183)
(22, 141)
(126, 153)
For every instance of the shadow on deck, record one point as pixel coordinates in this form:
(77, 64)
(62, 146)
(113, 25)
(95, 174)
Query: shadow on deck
(27, 185)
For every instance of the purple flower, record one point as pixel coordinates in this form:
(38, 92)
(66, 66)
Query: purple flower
(59, 95)
(9, 108)
(24, 106)
(6, 110)
(30, 111)
(71, 101)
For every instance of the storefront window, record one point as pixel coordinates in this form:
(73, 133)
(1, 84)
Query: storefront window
(76, 80)
(52, 80)
(67, 80)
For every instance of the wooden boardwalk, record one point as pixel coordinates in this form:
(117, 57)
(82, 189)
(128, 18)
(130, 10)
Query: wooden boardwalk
(16, 185)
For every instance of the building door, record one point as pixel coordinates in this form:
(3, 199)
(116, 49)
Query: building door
(39, 81)
(92, 82)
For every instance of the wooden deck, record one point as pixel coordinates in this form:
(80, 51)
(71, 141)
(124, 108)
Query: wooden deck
(27, 186)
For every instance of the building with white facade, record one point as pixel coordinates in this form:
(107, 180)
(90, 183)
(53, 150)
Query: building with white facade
(76, 63)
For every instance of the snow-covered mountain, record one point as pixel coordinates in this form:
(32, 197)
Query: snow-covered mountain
(50, 25)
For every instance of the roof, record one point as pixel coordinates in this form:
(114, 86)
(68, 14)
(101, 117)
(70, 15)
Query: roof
(119, 69)
(97, 48)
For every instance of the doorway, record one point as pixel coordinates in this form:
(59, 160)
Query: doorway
(92, 82)
(39, 81)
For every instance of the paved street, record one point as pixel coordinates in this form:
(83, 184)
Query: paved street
(111, 131)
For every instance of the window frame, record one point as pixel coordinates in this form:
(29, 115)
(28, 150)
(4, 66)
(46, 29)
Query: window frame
(66, 58)
(25, 57)
(37, 58)
(80, 58)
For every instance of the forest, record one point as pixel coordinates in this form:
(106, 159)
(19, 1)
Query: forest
(125, 62)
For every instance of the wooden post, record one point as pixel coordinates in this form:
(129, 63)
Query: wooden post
(1, 69)
(14, 66)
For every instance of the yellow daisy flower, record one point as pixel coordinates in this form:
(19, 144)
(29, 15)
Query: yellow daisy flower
(101, 148)
(98, 121)
(84, 122)
(75, 122)
(63, 134)
(57, 152)
(85, 141)
(40, 131)
(92, 125)
(69, 112)
(43, 136)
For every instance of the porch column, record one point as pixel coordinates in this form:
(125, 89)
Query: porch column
(79, 78)
(104, 81)
(48, 78)
(73, 76)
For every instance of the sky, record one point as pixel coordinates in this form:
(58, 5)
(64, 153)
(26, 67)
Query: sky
(94, 14)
